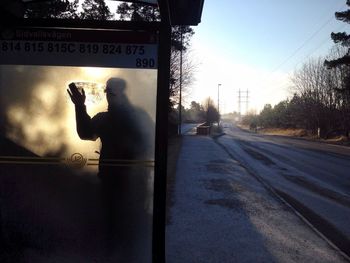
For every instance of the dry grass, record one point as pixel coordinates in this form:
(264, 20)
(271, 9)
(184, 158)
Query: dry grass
(277, 131)
(285, 132)
(339, 140)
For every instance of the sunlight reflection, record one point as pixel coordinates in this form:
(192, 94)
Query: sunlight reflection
(40, 115)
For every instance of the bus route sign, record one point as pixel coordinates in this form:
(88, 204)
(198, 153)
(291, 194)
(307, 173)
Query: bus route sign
(73, 47)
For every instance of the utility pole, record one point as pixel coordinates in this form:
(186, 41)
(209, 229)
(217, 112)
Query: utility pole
(239, 104)
(180, 99)
(247, 102)
(219, 101)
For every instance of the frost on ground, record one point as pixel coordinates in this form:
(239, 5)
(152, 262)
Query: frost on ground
(223, 214)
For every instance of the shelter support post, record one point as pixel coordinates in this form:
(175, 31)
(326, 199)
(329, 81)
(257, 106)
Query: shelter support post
(160, 178)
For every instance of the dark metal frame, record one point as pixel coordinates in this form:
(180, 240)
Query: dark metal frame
(160, 180)
(163, 28)
(131, 1)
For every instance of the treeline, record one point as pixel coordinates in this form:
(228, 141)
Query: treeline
(206, 112)
(321, 100)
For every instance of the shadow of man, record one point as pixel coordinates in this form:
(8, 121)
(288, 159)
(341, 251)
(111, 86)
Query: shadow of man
(126, 134)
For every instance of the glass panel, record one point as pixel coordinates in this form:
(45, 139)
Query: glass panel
(62, 195)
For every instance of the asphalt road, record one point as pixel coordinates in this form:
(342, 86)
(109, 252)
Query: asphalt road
(222, 213)
(312, 177)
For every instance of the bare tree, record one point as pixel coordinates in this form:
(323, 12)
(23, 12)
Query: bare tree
(212, 113)
(321, 91)
(189, 68)
(312, 82)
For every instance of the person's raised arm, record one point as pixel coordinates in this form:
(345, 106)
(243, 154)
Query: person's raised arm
(84, 124)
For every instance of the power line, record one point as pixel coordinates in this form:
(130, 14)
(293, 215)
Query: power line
(302, 45)
(308, 56)
(305, 42)
(319, 46)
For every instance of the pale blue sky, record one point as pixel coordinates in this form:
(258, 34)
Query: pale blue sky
(257, 44)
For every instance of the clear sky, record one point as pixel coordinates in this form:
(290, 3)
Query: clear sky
(257, 45)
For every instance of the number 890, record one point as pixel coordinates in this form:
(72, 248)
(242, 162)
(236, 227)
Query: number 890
(145, 63)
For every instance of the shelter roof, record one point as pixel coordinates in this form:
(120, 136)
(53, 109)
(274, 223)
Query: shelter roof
(182, 12)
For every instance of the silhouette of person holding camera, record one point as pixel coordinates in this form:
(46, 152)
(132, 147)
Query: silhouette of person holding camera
(126, 142)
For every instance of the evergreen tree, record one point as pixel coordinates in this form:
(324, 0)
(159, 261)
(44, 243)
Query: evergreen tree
(138, 12)
(342, 38)
(187, 33)
(52, 9)
(344, 64)
(95, 10)
(195, 113)
(212, 113)
(150, 13)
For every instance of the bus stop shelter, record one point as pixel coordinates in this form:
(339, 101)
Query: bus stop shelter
(172, 13)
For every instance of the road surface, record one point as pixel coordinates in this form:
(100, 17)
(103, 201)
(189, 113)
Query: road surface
(312, 177)
(222, 213)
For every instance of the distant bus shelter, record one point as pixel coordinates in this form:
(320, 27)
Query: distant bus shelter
(62, 49)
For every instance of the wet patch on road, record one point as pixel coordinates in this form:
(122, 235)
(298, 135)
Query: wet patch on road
(218, 185)
(234, 193)
(228, 198)
(218, 161)
(260, 157)
(220, 167)
(226, 203)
